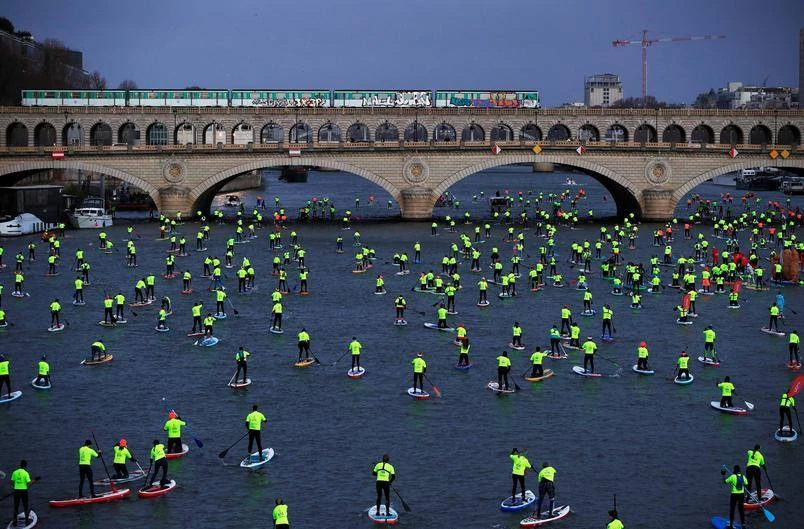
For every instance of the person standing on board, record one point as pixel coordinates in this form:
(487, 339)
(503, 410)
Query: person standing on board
(385, 473)
(173, 428)
(736, 483)
(280, 515)
(85, 455)
(520, 466)
(254, 422)
(21, 480)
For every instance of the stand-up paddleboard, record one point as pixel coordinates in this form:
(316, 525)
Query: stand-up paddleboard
(43, 386)
(175, 455)
(559, 356)
(588, 312)
(547, 374)
(400, 322)
(436, 327)
(737, 306)
(614, 293)
(254, 460)
(134, 475)
(688, 322)
(194, 334)
(5, 398)
(503, 295)
(79, 303)
(101, 360)
(156, 490)
(276, 331)
(516, 347)
(546, 517)
(464, 367)
(515, 503)
(418, 394)
(304, 363)
(391, 518)
(120, 321)
(107, 323)
(769, 331)
(141, 303)
(21, 519)
(104, 497)
(208, 342)
(483, 304)
(607, 339)
(767, 497)
(734, 410)
(684, 381)
(708, 361)
(238, 385)
(162, 329)
(19, 294)
(221, 315)
(722, 523)
(380, 293)
(495, 387)
(581, 371)
(187, 292)
(643, 371)
(57, 328)
(356, 373)
(793, 366)
(784, 435)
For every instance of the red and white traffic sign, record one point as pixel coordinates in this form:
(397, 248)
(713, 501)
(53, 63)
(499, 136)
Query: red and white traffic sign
(57, 155)
(733, 152)
(495, 149)
(580, 150)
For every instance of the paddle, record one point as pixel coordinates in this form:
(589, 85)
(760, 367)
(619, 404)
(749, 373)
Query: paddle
(404, 503)
(435, 389)
(317, 361)
(234, 309)
(111, 483)
(198, 442)
(768, 515)
(232, 379)
(37, 478)
(223, 454)
(796, 386)
(767, 476)
(339, 358)
(749, 405)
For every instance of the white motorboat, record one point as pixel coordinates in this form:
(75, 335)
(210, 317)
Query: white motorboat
(22, 224)
(91, 214)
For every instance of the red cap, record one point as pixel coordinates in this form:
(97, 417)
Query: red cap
(122, 442)
(172, 414)
(643, 344)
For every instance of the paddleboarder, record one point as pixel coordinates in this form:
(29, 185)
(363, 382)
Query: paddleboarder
(520, 466)
(196, 311)
(85, 455)
(736, 483)
(726, 392)
(400, 304)
(546, 488)
(121, 454)
(682, 365)
(280, 515)
(304, 344)
(241, 357)
(42, 373)
(386, 474)
(503, 367)
(756, 461)
(21, 480)
(709, 343)
(589, 347)
(55, 311)
(642, 356)
(607, 316)
(97, 348)
(614, 520)
(173, 428)
(5, 375)
(159, 461)
(536, 359)
(254, 422)
(792, 346)
(773, 324)
(419, 369)
(516, 335)
(354, 348)
(785, 404)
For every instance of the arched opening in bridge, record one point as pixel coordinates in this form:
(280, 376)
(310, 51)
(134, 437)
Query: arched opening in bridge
(559, 132)
(703, 134)
(128, 134)
(530, 132)
(444, 132)
(386, 132)
(323, 187)
(329, 133)
(527, 180)
(646, 133)
(301, 133)
(156, 134)
(789, 135)
(731, 135)
(415, 132)
(45, 135)
(17, 135)
(214, 134)
(100, 134)
(272, 133)
(185, 134)
(357, 132)
(616, 133)
(243, 134)
(760, 135)
(502, 132)
(588, 132)
(72, 134)
(674, 134)
(473, 132)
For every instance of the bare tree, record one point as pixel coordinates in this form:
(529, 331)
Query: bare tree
(127, 84)
(96, 81)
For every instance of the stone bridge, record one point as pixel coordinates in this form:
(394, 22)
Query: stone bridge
(647, 159)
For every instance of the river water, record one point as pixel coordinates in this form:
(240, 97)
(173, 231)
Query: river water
(656, 445)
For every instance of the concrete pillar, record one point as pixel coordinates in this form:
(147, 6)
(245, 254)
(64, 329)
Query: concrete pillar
(173, 199)
(543, 167)
(657, 204)
(417, 203)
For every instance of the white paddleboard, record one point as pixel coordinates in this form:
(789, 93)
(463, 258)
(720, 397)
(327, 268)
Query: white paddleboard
(769, 331)
(436, 327)
(56, 329)
(784, 436)
(356, 373)
(510, 504)
(580, 370)
(6, 398)
(546, 517)
(382, 518)
(684, 381)
(276, 331)
(21, 521)
(493, 386)
(238, 385)
(254, 461)
(643, 371)
(33, 383)
(418, 394)
(734, 410)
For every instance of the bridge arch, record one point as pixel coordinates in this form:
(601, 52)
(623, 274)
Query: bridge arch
(17, 135)
(357, 132)
(559, 132)
(614, 183)
(646, 133)
(502, 132)
(386, 132)
(473, 132)
(100, 134)
(530, 132)
(793, 163)
(415, 132)
(702, 133)
(731, 134)
(49, 163)
(760, 135)
(616, 132)
(45, 135)
(588, 132)
(674, 133)
(201, 193)
(72, 134)
(156, 134)
(788, 135)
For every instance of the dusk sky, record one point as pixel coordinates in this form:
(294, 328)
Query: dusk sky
(443, 44)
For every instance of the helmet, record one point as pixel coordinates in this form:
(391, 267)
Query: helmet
(643, 344)
(122, 442)
(172, 414)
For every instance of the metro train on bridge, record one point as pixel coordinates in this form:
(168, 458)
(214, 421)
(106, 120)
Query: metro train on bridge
(285, 98)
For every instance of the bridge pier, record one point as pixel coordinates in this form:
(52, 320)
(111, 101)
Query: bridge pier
(657, 204)
(175, 198)
(417, 203)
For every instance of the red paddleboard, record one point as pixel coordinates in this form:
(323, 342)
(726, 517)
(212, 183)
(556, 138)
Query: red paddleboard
(768, 497)
(685, 302)
(187, 292)
(101, 498)
(174, 455)
(155, 490)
